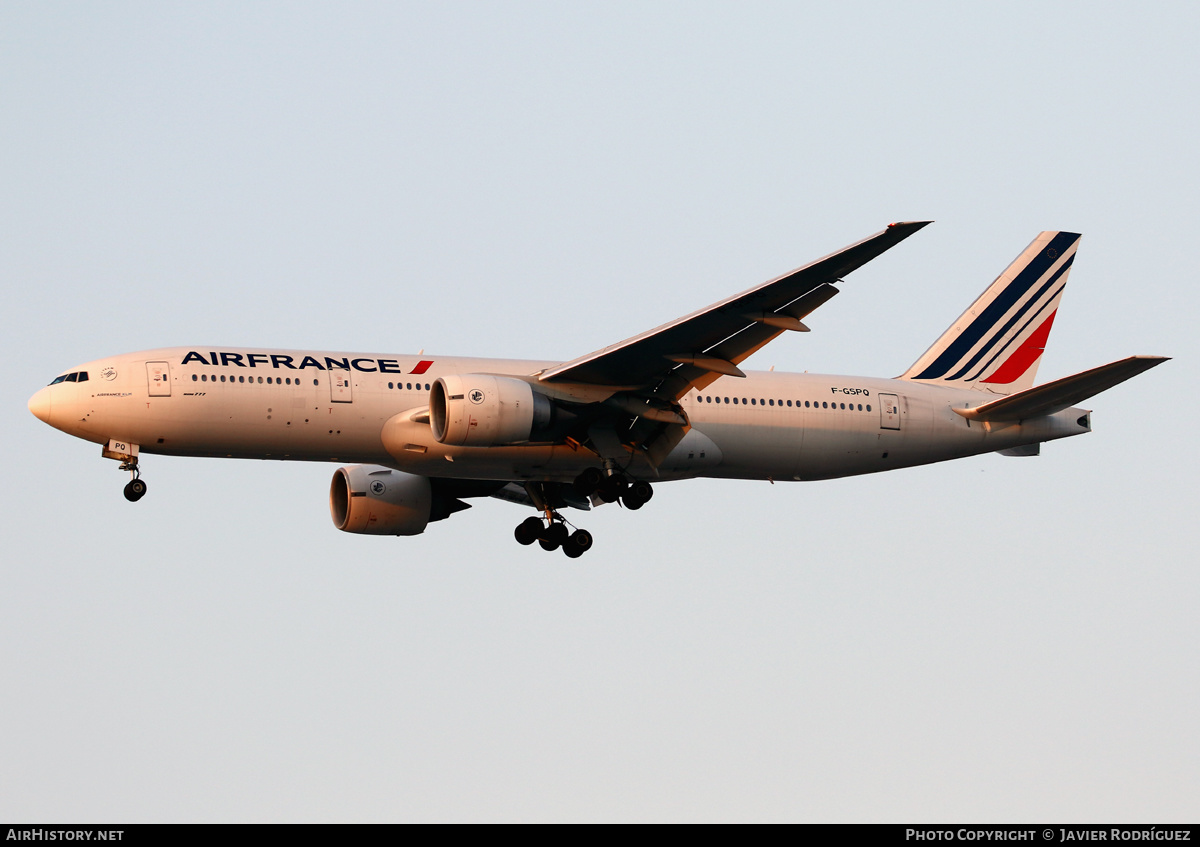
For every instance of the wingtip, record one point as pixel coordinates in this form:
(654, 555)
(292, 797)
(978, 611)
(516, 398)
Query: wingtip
(914, 225)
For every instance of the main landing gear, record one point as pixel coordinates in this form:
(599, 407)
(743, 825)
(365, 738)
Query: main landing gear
(614, 486)
(552, 533)
(135, 489)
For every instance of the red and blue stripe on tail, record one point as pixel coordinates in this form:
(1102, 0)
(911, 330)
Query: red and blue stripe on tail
(996, 344)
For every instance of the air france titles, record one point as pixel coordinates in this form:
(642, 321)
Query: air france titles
(283, 360)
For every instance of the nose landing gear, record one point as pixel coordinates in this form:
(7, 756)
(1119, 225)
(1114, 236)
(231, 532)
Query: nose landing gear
(135, 489)
(127, 454)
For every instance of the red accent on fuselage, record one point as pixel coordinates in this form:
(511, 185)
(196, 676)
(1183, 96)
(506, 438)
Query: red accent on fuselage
(421, 367)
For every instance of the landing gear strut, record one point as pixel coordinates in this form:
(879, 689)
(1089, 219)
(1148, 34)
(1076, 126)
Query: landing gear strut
(135, 489)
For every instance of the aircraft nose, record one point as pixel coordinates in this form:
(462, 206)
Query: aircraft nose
(39, 404)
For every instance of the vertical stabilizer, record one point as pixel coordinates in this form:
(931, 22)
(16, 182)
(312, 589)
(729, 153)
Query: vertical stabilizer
(996, 345)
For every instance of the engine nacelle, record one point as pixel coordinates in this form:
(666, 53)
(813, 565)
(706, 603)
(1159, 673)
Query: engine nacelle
(480, 410)
(374, 500)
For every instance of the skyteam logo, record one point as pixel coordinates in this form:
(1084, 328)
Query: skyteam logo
(1001, 337)
(476, 396)
(377, 487)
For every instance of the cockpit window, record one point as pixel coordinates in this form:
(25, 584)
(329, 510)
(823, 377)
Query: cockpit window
(78, 376)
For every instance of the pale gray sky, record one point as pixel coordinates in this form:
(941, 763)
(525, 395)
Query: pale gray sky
(988, 640)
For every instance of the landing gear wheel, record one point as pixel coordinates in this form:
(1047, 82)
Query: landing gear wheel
(528, 530)
(587, 482)
(553, 536)
(613, 487)
(637, 495)
(642, 490)
(135, 490)
(578, 543)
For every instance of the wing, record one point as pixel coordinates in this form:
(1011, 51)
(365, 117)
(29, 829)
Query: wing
(639, 381)
(711, 342)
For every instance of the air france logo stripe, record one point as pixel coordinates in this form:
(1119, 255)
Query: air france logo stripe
(1024, 356)
(1037, 298)
(1051, 303)
(1059, 251)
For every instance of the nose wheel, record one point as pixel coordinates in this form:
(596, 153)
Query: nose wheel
(135, 489)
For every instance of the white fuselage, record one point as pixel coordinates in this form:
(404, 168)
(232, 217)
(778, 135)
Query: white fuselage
(360, 408)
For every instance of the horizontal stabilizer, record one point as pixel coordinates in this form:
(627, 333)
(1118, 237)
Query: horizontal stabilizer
(1062, 393)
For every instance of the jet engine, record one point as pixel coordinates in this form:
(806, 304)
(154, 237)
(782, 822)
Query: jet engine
(479, 410)
(374, 500)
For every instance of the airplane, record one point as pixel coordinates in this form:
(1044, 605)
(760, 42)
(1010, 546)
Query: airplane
(422, 434)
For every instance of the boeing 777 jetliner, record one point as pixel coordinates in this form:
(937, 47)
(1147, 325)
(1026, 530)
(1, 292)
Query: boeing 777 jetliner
(424, 433)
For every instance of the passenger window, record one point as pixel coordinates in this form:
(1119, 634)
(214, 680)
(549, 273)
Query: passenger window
(752, 403)
(868, 407)
(195, 378)
(204, 377)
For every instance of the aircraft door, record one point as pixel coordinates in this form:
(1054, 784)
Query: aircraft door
(158, 379)
(341, 386)
(889, 411)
